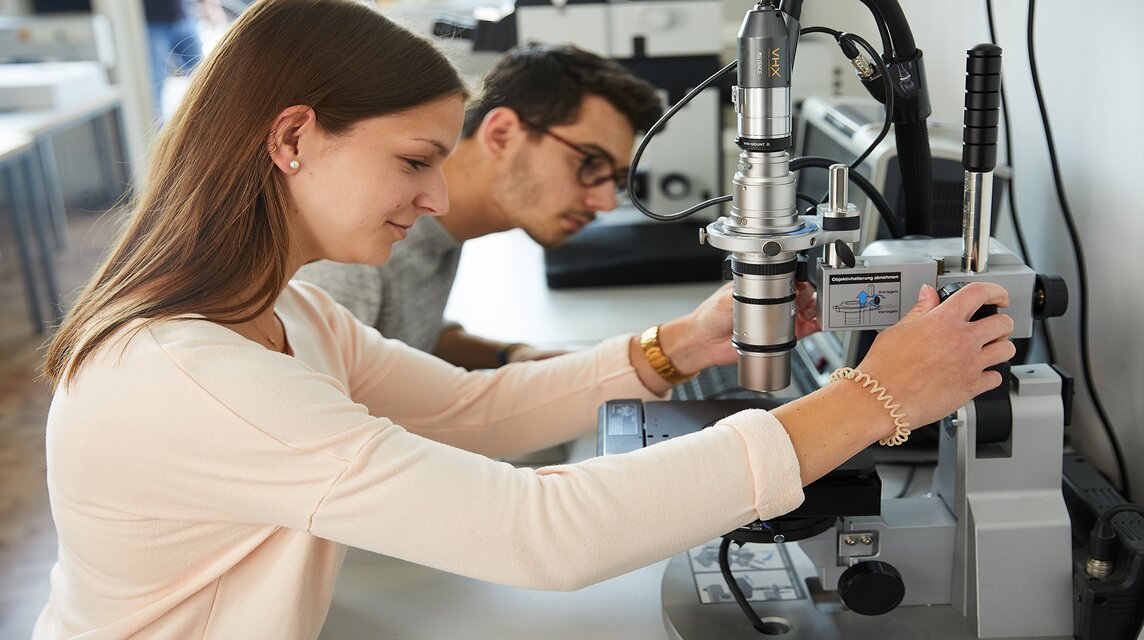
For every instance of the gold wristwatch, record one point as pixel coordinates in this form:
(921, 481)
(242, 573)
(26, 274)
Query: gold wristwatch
(649, 342)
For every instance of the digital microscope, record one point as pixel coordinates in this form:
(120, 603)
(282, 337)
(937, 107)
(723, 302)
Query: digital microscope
(986, 553)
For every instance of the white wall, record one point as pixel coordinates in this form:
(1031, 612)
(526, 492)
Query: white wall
(1088, 59)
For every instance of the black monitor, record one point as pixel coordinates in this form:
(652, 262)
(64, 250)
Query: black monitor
(40, 7)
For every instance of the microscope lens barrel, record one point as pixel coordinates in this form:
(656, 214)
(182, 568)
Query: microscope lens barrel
(764, 296)
(763, 206)
(767, 41)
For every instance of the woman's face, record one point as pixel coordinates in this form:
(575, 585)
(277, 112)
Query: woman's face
(355, 194)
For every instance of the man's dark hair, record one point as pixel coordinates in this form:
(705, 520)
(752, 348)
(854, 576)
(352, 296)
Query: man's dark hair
(545, 85)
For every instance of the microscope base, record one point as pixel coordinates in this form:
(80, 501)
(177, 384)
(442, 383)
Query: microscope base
(808, 616)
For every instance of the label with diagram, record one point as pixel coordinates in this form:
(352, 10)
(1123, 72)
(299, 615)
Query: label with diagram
(763, 572)
(864, 300)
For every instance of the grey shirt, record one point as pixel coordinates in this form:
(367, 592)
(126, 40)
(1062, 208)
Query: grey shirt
(404, 298)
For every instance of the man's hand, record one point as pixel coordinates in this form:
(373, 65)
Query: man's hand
(459, 347)
(806, 310)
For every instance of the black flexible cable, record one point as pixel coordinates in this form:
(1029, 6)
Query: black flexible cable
(1100, 543)
(842, 39)
(1078, 252)
(884, 210)
(647, 138)
(807, 198)
(834, 33)
(876, 198)
(889, 101)
(1012, 190)
(736, 592)
(792, 8)
(880, 22)
(1008, 140)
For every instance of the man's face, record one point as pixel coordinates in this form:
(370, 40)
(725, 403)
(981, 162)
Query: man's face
(544, 190)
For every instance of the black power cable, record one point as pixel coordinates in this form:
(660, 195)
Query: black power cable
(736, 591)
(1021, 246)
(867, 187)
(846, 42)
(1078, 252)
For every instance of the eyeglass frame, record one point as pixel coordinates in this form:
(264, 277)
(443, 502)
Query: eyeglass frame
(619, 177)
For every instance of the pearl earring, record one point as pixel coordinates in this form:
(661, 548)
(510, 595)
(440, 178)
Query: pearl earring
(294, 164)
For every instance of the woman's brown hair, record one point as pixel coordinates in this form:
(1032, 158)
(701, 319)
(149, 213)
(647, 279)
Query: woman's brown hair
(209, 234)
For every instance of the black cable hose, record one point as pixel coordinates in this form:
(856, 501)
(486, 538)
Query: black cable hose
(915, 161)
(912, 138)
(880, 22)
(736, 592)
(1078, 252)
(876, 198)
(888, 14)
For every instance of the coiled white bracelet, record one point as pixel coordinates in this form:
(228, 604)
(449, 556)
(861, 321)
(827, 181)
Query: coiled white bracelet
(901, 425)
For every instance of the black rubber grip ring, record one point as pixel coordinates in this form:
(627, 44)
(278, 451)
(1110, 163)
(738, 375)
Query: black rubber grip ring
(762, 269)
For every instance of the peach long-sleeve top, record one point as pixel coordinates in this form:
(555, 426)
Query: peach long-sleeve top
(205, 487)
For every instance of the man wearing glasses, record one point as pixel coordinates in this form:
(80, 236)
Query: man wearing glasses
(545, 146)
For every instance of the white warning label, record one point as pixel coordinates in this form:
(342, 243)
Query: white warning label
(864, 300)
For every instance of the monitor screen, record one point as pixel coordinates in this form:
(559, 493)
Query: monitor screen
(61, 6)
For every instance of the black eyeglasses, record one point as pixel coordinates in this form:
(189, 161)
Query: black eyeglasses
(596, 168)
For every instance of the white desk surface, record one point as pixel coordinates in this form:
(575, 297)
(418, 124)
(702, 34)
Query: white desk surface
(500, 292)
(12, 144)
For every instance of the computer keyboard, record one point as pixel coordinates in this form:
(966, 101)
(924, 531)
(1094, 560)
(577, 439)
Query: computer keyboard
(715, 383)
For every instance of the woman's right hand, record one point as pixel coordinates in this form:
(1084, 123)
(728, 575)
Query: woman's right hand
(934, 359)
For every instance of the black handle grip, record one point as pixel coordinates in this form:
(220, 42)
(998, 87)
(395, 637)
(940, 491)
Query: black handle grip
(982, 107)
(948, 290)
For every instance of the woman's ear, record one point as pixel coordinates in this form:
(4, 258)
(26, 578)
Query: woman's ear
(285, 142)
(498, 131)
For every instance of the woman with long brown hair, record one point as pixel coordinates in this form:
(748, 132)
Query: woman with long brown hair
(218, 434)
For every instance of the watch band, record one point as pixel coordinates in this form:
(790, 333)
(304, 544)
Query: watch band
(505, 350)
(653, 351)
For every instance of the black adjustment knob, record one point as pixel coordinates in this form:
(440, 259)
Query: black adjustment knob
(871, 588)
(845, 253)
(953, 287)
(1050, 297)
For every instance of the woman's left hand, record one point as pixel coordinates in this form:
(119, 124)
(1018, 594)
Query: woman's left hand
(702, 338)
